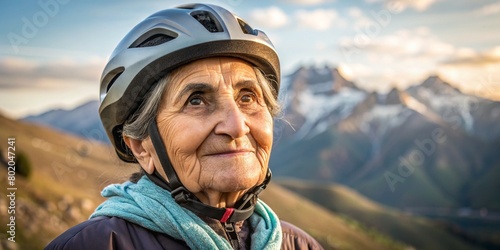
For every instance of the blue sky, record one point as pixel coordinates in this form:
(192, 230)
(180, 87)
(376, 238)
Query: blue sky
(52, 52)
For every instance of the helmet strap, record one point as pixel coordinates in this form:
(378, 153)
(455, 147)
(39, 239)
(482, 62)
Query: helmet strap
(244, 207)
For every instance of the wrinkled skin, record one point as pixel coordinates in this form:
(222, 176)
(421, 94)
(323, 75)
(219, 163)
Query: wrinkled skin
(217, 130)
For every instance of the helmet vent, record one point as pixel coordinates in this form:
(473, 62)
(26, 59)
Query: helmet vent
(208, 21)
(246, 28)
(154, 40)
(113, 81)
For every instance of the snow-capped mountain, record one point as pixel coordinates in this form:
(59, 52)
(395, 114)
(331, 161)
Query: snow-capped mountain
(475, 115)
(430, 133)
(318, 99)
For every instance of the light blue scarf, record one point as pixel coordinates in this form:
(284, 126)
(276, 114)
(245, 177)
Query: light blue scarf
(152, 207)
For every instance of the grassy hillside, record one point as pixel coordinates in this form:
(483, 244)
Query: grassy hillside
(64, 187)
(69, 172)
(331, 230)
(417, 232)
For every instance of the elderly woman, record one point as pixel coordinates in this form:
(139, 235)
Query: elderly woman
(190, 94)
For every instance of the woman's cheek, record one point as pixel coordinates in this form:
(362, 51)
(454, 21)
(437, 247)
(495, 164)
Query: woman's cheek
(264, 131)
(182, 139)
(263, 134)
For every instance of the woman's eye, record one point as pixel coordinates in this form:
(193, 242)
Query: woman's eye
(195, 100)
(247, 98)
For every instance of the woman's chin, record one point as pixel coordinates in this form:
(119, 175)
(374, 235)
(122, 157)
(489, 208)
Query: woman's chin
(234, 184)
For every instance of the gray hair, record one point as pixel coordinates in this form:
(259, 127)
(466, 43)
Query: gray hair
(136, 126)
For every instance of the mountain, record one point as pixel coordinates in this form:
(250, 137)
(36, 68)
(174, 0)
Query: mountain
(313, 110)
(427, 146)
(82, 121)
(475, 115)
(68, 173)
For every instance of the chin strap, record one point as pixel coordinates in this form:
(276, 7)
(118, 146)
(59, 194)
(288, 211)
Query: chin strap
(244, 208)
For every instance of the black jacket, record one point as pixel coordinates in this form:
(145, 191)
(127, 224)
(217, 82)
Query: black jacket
(115, 233)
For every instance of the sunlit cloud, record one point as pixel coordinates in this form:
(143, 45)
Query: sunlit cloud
(475, 72)
(489, 9)
(319, 19)
(272, 18)
(307, 2)
(471, 58)
(401, 59)
(477, 79)
(20, 73)
(415, 43)
(359, 19)
(409, 56)
(355, 12)
(419, 5)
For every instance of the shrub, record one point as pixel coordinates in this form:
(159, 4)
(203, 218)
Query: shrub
(23, 164)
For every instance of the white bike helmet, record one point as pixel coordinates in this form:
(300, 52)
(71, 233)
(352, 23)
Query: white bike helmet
(166, 40)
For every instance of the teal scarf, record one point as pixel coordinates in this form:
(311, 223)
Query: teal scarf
(152, 207)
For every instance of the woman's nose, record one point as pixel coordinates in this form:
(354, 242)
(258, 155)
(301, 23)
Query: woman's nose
(232, 121)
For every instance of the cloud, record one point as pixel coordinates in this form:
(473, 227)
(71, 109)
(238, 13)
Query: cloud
(319, 19)
(411, 44)
(419, 5)
(272, 17)
(355, 12)
(481, 79)
(20, 73)
(489, 9)
(406, 57)
(308, 2)
(400, 59)
(468, 57)
(359, 18)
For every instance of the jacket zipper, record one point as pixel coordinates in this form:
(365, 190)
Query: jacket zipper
(232, 235)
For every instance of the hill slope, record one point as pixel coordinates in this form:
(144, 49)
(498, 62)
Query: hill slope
(417, 232)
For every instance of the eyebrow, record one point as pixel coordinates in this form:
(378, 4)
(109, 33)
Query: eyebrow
(208, 88)
(194, 87)
(252, 84)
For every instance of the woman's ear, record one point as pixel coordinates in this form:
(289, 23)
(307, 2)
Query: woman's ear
(142, 153)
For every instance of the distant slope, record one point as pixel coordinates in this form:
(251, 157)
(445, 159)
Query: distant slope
(82, 121)
(69, 172)
(330, 229)
(417, 232)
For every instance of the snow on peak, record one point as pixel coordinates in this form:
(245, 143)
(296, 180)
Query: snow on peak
(321, 110)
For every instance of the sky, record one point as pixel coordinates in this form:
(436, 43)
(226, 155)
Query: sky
(52, 52)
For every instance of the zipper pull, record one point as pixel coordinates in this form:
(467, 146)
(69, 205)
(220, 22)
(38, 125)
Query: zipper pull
(232, 235)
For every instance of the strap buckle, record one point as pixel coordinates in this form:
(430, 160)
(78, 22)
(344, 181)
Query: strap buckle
(180, 195)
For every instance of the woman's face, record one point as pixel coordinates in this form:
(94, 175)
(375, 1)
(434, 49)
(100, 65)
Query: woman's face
(216, 126)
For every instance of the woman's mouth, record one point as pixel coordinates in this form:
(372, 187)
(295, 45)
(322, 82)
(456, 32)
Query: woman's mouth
(229, 153)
